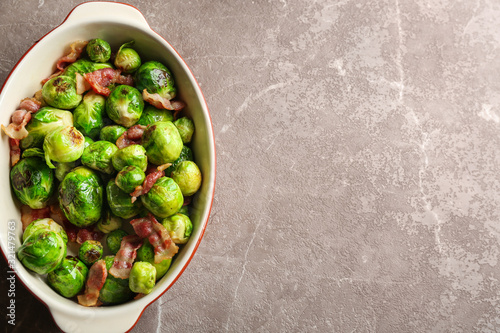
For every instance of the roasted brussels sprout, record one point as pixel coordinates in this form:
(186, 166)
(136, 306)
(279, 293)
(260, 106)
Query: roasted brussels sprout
(81, 196)
(68, 278)
(129, 178)
(111, 133)
(98, 156)
(33, 152)
(146, 253)
(188, 176)
(152, 115)
(142, 277)
(32, 182)
(164, 199)
(185, 126)
(98, 50)
(124, 105)
(60, 92)
(156, 78)
(186, 155)
(179, 227)
(43, 251)
(131, 155)
(127, 59)
(62, 169)
(120, 202)
(47, 224)
(109, 222)
(114, 240)
(65, 144)
(88, 142)
(162, 142)
(87, 117)
(90, 251)
(83, 66)
(43, 122)
(114, 290)
(184, 210)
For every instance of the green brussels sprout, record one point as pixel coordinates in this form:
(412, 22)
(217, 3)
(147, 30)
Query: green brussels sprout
(33, 152)
(184, 210)
(47, 224)
(83, 66)
(90, 251)
(120, 202)
(109, 222)
(98, 50)
(65, 144)
(114, 290)
(131, 155)
(87, 117)
(156, 78)
(188, 176)
(186, 155)
(124, 105)
(179, 227)
(81, 196)
(164, 199)
(32, 182)
(142, 277)
(114, 240)
(146, 253)
(127, 59)
(43, 122)
(162, 142)
(88, 142)
(68, 279)
(111, 133)
(60, 92)
(98, 156)
(42, 252)
(185, 126)
(62, 169)
(129, 178)
(150, 115)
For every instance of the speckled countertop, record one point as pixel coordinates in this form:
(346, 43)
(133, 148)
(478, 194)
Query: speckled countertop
(358, 165)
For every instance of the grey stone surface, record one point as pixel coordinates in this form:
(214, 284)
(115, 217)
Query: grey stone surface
(358, 170)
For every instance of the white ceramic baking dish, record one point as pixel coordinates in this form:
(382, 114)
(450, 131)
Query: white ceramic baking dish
(116, 23)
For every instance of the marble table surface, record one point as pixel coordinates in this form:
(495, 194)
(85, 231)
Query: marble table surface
(358, 165)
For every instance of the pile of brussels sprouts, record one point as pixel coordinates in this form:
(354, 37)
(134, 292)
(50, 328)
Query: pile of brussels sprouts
(70, 158)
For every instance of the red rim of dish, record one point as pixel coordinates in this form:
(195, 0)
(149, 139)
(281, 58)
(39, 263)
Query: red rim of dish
(215, 164)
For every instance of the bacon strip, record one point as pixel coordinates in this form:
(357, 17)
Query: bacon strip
(85, 234)
(125, 256)
(81, 84)
(162, 103)
(100, 79)
(95, 281)
(158, 236)
(148, 183)
(15, 151)
(76, 49)
(17, 128)
(30, 104)
(133, 136)
(29, 215)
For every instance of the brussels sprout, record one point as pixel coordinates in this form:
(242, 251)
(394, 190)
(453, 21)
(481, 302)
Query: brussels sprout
(114, 290)
(120, 202)
(33, 152)
(129, 178)
(124, 105)
(98, 50)
(83, 66)
(162, 142)
(111, 133)
(65, 144)
(98, 156)
(131, 155)
(186, 155)
(32, 182)
(81, 196)
(43, 122)
(127, 59)
(142, 277)
(43, 251)
(68, 278)
(164, 199)
(179, 227)
(88, 142)
(62, 169)
(90, 251)
(47, 224)
(188, 176)
(150, 115)
(146, 253)
(185, 126)
(184, 210)
(114, 240)
(109, 222)
(87, 117)
(156, 78)
(60, 92)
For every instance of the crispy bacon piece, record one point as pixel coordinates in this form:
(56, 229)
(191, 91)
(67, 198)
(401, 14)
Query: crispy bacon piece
(100, 79)
(29, 215)
(162, 103)
(133, 136)
(85, 234)
(71, 230)
(158, 236)
(125, 256)
(57, 215)
(95, 281)
(56, 73)
(17, 128)
(30, 104)
(81, 84)
(148, 183)
(15, 151)
(76, 49)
